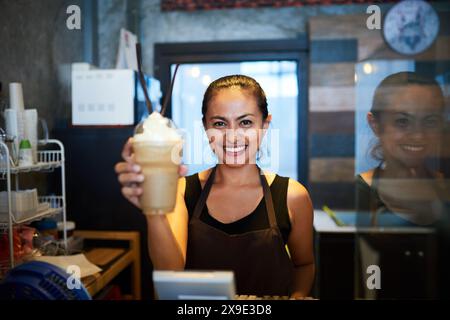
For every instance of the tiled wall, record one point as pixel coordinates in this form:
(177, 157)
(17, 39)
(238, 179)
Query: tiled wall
(337, 44)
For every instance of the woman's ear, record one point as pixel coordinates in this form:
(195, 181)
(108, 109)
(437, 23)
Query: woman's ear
(373, 123)
(267, 121)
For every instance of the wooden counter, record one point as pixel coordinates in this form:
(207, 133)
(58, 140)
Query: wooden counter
(120, 259)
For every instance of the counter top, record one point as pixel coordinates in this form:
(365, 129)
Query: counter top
(324, 224)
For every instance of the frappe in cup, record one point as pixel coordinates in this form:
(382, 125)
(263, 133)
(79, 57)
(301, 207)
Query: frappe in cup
(157, 146)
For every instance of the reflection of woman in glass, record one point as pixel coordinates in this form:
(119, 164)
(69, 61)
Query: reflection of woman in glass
(407, 118)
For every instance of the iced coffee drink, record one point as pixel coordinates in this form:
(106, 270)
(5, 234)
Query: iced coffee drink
(157, 149)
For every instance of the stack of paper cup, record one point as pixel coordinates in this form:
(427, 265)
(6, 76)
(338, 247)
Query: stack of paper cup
(16, 96)
(30, 119)
(21, 123)
(16, 103)
(12, 129)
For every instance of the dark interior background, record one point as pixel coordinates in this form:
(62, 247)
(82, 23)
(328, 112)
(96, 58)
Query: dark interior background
(39, 50)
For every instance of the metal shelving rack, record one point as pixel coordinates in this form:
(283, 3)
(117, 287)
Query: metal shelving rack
(47, 161)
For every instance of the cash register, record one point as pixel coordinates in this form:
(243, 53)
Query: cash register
(194, 285)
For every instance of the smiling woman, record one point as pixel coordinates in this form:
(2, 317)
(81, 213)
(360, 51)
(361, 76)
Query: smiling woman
(235, 118)
(280, 82)
(234, 216)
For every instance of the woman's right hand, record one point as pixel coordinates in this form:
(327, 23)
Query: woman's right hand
(130, 175)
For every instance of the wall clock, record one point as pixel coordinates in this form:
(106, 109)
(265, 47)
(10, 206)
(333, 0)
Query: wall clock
(411, 26)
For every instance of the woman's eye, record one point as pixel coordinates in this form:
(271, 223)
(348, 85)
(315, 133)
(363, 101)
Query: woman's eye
(431, 123)
(246, 123)
(219, 124)
(402, 122)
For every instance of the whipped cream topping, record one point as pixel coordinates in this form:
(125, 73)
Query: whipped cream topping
(156, 129)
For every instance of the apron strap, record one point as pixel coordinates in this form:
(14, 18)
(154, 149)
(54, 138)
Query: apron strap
(266, 192)
(204, 194)
(268, 199)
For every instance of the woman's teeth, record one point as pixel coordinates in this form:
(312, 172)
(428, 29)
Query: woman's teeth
(235, 149)
(413, 148)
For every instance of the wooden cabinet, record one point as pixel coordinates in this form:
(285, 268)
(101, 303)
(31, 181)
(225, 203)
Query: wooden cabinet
(113, 260)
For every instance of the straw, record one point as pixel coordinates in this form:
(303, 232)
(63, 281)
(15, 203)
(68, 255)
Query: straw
(169, 93)
(141, 78)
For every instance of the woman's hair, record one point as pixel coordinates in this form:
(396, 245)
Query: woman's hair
(236, 81)
(390, 86)
(393, 83)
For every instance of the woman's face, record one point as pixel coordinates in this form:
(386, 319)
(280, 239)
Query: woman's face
(234, 126)
(410, 128)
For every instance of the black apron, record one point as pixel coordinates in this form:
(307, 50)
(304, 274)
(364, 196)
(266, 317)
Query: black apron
(259, 258)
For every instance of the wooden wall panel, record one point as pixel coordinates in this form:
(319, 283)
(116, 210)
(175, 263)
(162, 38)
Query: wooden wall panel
(332, 122)
(338, 27)
(332, 170)
(332, 98)
(332, 74)
(332, 145)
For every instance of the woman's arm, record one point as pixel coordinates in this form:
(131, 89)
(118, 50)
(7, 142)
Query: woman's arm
(167, 235)
(300, 242)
